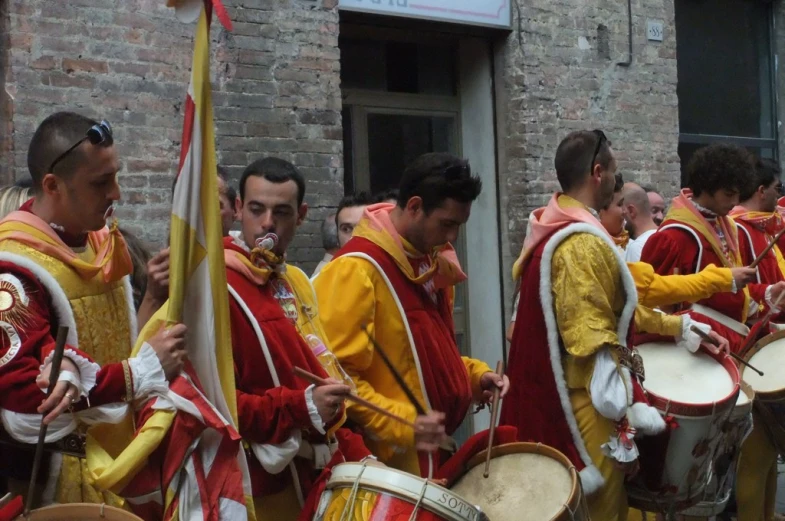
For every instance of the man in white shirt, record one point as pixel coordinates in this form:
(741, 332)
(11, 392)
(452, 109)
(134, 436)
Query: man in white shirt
(640, 224)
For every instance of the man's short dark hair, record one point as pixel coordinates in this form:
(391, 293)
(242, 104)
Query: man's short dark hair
(352, 200)
(436, 177)
(574, 154)
(720, 167)
(649, 189)
(276, 171)
(766, 173)
(55, 135)
(231, 193)
(387, 195)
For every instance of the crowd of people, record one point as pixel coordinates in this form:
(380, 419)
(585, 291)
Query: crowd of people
(604, 262)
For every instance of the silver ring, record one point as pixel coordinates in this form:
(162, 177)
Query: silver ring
(70, 396)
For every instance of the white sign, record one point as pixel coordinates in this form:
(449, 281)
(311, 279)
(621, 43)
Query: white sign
(654, 30)
(494, 13)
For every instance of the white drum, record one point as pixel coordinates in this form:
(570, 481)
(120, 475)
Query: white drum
(696, 394)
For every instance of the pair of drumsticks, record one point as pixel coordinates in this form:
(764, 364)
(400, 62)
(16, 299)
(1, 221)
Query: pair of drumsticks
(316, 380)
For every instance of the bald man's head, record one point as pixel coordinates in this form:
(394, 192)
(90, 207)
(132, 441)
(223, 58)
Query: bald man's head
(636, 196)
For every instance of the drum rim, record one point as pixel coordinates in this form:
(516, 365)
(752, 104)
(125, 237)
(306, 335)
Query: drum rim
(756, 348)
(373, 479)
(523, 447)
(696, 410)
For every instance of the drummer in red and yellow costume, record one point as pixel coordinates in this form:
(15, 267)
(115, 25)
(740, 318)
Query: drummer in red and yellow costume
(397, 276)
(758, 222)
(697, 232)
(578, 387)
(292, 429)
(60, 265)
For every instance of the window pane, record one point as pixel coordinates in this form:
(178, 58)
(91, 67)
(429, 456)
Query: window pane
(394, 141)
(413, 68)
(724, 67)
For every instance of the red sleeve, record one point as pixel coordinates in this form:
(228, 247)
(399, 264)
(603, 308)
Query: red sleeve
(271, 417)
(351, 444)
(671, 250)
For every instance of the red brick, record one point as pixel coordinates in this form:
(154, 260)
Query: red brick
(44, 62)
(71, 65)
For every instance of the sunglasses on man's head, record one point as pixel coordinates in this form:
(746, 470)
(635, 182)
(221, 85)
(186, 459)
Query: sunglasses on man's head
(600, 139)
(98, 134)
(456, 171)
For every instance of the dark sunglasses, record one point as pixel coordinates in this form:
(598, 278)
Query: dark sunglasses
(601, 138)
(98, 134)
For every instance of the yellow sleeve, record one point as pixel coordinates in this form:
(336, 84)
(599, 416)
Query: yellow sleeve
(649, 321)
(584, 279)
(346, 297)
(664, 290)
(475, 368)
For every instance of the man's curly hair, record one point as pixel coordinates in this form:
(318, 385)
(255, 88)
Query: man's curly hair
(721, 167)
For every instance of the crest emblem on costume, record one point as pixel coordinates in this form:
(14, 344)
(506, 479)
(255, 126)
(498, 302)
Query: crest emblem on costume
(285, 297)
(14, 314)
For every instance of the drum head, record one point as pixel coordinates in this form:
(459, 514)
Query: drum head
(80, 512)
(535, 482)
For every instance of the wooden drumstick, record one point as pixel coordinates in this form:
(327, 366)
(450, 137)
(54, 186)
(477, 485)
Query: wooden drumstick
(767, 249)
(398, 378)
(54, 374)
(315, 380)
(710, 340)
(494, 417)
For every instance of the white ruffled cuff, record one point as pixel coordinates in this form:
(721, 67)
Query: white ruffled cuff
(313, 412)
(147, 373)
(607, 390)
(770, 300)
(88, 370)
(690, 340)
(621, 447)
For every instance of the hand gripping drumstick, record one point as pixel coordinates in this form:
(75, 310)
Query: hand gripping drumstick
(767, 249)
(494, 417)
(315, 380)
(710, 340)
(54, 374)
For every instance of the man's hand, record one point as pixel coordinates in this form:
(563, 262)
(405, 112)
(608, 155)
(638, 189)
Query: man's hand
(169, 345)
(329, 399)
(429, 432)
(64, 394)
(776, 292)
(722, 344)
(158, 276)
(743, 276)
(489, 382)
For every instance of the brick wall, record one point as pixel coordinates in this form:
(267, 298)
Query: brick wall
(276, 83)
(559, 73)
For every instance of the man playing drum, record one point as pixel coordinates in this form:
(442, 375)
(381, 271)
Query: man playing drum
(292, 428)
(697, 232)
(578, 390)
(396, 277)
(758, 222)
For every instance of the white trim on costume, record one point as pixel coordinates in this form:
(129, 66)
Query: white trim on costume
(405, 321)
(590, 475)
(272, 456)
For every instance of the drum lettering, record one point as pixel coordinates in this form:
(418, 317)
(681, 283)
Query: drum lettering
(443, 499)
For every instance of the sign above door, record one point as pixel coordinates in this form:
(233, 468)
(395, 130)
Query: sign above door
(490, 13)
